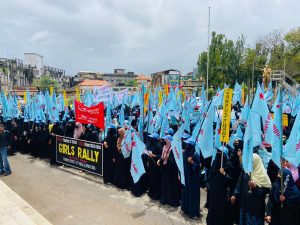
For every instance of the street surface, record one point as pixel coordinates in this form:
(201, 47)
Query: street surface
(64, 196)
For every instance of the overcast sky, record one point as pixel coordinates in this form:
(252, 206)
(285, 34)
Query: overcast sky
(143, 36)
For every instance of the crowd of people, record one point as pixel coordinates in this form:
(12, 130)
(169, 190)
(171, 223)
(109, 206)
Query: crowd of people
(233, 196)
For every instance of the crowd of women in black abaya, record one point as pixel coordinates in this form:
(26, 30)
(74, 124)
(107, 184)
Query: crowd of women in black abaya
(233, 196)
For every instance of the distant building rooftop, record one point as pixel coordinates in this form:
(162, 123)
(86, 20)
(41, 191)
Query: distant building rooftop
(93, 83)
(143, 77)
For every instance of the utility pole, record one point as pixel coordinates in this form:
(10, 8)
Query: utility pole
(252, 80)
(208, 42)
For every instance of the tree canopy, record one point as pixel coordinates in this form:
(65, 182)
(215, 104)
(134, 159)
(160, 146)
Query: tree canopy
(45, 82)
(231, 61)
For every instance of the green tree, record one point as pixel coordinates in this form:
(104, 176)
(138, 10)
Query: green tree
(131, 83)
(292, 40)
(45, 82)
(225, 59)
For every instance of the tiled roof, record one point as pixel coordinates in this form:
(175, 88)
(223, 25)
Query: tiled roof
(93, 83)
(143, 77)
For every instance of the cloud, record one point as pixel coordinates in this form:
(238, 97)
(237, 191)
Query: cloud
(140, 36)
(40, 36)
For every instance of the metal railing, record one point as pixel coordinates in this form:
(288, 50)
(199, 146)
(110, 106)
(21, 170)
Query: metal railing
(287, 81)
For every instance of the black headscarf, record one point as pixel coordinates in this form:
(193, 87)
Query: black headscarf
(291, 192)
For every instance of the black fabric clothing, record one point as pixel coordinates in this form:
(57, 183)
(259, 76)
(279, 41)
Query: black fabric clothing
(219, 205)
(252, 202)
(69, 130)
(108, 153)
(43, 137)
(170, 185)
(122, 176)
(190, 199)
(154, 173)
(56, 130)
(286, 213)
(140, 187)
(272, 171)
(5, 138)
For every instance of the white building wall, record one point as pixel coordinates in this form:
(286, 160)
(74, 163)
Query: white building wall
(35, 60)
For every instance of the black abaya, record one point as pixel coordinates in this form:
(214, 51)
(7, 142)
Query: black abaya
(170, 184)
(108, 153)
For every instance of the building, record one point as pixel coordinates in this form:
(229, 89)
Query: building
(19, 91)
(15, 73)
(119, 77)
(143, 80)
(190, 82)
(89, 85)
(170, 77)
(85, 75)
(35, 62)
(12, 73)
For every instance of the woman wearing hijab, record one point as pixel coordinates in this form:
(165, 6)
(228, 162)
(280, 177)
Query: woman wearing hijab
(190, 199)
(110, 145)
(56, 130)
(43, 137)
(218, 184)
(122, 166)
(69, 129)
(170, 184)
(251, 191)
(283, 209)
(155, 150)
(78, 130)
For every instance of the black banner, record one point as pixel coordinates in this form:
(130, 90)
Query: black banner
(81, 154)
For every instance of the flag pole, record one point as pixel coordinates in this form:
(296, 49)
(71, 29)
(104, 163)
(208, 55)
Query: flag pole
(281, 160)
(250, 191)
(208, 42)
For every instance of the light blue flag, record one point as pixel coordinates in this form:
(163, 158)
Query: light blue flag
(193, 101)
(260, 107)
(277, 130)
(28, 97)
(296, 105)
(122, 115)
(203, 96)
(88, 98)
(205, 138)
(33, 112)
(256, 129)
(47, 102)
(26, 112)
(202, 116)
(269, 94)
(6, 108)
(107, 117)
(65, 114)
(137, 167)
(218, 98)
(60, 103)
(247, 157)
(142, 116)
(176, 147)
(53, 111)
(126, 144)
(218, 143)
(237, 93)
(150, 119)
(291, 151)
(186, 116)
(164, 126)
(135, 100)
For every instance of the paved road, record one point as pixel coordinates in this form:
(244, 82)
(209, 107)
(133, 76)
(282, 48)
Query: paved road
(65, 198)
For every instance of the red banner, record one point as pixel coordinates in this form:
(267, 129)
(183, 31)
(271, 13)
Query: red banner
(90, 115)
